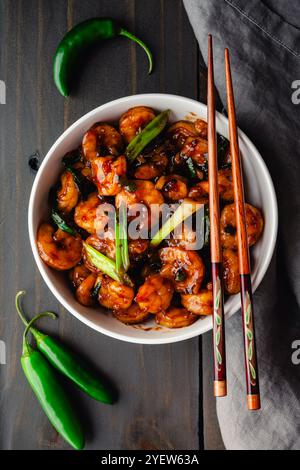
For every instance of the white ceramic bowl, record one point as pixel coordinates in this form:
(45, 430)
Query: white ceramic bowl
(259, 189)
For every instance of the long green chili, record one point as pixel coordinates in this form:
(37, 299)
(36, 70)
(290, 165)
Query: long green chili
(49, 392)
(64, 361)
(81, 38)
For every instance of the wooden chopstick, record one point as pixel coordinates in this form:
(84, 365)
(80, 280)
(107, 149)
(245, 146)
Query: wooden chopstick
(253, 396)
(220, 386)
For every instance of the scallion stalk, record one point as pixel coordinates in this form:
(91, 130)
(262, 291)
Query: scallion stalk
(118, 245)
(124, 237)
(102, 262)
(152, 130)
(185, 210)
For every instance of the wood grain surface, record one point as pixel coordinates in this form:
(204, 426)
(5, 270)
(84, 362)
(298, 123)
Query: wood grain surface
(160, 403)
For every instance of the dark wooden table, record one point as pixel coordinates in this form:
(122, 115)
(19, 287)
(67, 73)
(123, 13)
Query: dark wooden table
(165, 397)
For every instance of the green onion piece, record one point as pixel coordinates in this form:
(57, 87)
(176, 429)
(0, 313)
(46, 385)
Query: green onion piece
(185, 210)
(206, 227)
(124, 237)
(222, 148)
(102, 262)
(95, 291)
(152, 130)
(60, 222)
(70, 158)
(76, 177)
(180, 276)
(191, 167)
(118, 245)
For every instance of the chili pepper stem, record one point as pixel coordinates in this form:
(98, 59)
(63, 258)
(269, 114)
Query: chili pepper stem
(26, 346)
(36, 333)
(127, 34)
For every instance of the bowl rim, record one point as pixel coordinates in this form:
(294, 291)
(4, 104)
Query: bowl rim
(186, 333)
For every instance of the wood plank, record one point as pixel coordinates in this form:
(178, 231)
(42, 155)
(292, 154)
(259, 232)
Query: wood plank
(160, 399)
(211, 431)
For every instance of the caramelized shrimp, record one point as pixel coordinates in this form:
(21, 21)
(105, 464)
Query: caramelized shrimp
(58, 249)
(86, 213)
(231, 276)
(225, 185)
(132, 315)
(137, 248)
(106, 174)
(185, 238)
(114, 295)
(145, 193)
(201, 128)
(67, 196)
(254, 223)
(84, 291)
(184, 268)
(134, 120)
(101, 139)
(152, 166)
(199, 304)
(195, 148)
(79, 274)
(155, 294)
(175, 318)
(180, 131)
(174, 187)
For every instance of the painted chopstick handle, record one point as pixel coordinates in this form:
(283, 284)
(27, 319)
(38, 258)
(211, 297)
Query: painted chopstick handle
(252, 381)
(220, 385)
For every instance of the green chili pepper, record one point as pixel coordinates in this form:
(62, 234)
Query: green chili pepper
(61, 223)
(76, 42)
(65, 362)
(152, 130)
(49, 392)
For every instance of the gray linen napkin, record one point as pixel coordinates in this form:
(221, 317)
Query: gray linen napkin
(264, 42)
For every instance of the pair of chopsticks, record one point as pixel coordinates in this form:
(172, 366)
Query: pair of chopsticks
(220, 385)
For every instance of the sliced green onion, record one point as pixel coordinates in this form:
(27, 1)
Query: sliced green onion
(95, 291)
(105, 264)
(185, 210)
(222, 148)
(191, 167)
(70, 158)
(152, 130)
(61, 223)
(118, 245)
(102, 262)
(76, 177)
(124, 237)
(206, 227)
